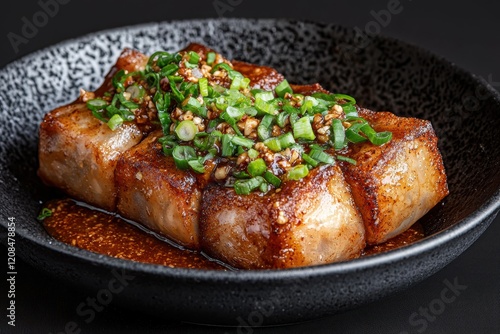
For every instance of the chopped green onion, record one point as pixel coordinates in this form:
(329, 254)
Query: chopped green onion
(281, 119)
(115, 121)
(257, 167)
(352, 133)
(253, 153)
(273, 144)
(344, 97)
(309, 160)
(235, 113)
(231, 105)
(286, 140)
(204, 141)
(250, 111)
(264, 187)
(118, 80)
(321, 156)
(298, 172)
(177, 95)
(302, 129)
(203, 83)
(169, 70)
(272, 179)
(46, 212)
(350, 110)
(221, 65)
(264, 128)
(236, 83)
(165, 121)
(196, 165)
(136, 92)
(264, 95)
(346, 159)
(228, 147)
(194, 57)
(376, 138)
(297, 147)
(210, 58)
(96, 104)
(231, 121)
(191, 103)
(245, 82)
(186, 130)
(265, 107)
(308, 104)
(283, 88)
(325, 97)
(125, 103)
(245, 187)
(183, 154)
(338, 134)
(242, 141)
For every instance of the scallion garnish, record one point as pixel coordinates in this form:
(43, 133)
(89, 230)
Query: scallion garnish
(245, 187)
(182, 155)
(246, 126)
(353, 133)
(45, 213)
(302, 129)
(272, 179)
(193, 57)
(309, 160)
(346, 159)
(186, 130)
(338, 134)
(321, 156)
(273, 144)
(298, 172)
(210, 58)
(197, 165)
(264, 128)
(203, 83)
(283, 88)
(115, 121)
(257, 167)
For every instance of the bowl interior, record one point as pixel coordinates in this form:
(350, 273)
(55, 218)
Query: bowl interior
(383, 74)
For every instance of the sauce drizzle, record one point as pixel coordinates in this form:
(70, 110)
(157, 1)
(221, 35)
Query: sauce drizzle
(108, 234)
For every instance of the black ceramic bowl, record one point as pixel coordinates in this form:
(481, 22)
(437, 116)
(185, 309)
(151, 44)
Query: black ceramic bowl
(384, 74)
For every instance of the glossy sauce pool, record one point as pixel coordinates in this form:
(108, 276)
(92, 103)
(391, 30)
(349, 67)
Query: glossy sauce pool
(108, 234)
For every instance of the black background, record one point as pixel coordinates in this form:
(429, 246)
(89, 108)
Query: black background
(466, 33)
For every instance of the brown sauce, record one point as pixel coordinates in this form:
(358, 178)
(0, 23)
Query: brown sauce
(105, 233)
(108, 234)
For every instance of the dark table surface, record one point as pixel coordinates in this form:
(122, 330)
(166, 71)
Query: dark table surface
(465, 33)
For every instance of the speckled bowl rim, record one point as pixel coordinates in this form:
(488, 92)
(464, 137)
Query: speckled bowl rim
(489, 208)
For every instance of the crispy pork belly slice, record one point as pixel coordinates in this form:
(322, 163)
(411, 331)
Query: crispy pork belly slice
(308, 222)
(78, 153)
(395, 184)
(154, 192)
